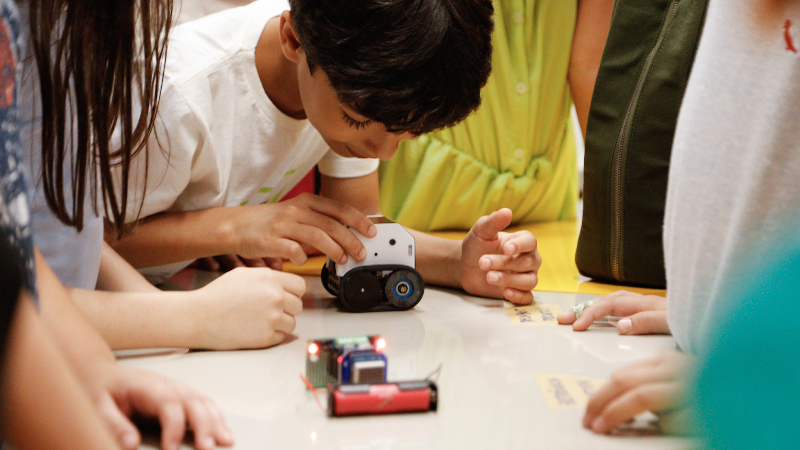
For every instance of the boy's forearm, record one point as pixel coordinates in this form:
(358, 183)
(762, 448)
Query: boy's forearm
(438, 259)
(179, 236)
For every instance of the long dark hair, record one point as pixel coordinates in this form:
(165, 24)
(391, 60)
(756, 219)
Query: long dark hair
(98, 61)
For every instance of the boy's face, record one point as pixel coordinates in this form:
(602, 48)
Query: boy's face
(346, 132)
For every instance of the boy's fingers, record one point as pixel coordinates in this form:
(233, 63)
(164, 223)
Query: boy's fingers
(208, 263)
(648, 322)
(291, 250)
(330, 237)
(345, 214)
(487, 227)
(273, 263)
(249, 262)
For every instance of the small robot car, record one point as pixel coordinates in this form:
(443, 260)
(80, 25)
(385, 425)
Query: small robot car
(385, 280)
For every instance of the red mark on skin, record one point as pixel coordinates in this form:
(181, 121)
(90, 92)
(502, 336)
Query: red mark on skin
(788, 36)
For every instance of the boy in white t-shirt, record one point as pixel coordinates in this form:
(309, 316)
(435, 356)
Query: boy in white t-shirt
(255, 96)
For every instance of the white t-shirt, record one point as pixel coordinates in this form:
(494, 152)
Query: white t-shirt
(734, 182)
(224, 142)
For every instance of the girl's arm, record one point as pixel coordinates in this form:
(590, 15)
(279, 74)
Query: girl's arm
(591, 31)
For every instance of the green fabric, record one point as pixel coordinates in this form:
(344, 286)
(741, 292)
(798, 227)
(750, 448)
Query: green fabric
(449, 178)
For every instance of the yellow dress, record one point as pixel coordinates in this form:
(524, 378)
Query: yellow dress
(517, 151)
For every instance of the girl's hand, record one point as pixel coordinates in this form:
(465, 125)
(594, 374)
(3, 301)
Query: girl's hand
(642, 314)
(656, 384)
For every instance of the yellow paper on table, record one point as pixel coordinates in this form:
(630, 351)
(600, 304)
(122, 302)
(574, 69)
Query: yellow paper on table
(564, 391)
(534, 314)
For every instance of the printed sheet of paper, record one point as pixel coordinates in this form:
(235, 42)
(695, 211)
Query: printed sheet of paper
(534, 314)
(564, 391)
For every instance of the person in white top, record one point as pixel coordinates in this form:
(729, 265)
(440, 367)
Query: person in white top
(733, 193)
(255, 96)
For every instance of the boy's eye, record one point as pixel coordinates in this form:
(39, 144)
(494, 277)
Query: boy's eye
(355, 123)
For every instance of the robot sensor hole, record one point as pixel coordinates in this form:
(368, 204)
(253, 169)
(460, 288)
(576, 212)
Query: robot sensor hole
(392, 242)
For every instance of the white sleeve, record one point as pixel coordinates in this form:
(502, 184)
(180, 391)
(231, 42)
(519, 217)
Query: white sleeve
(170, 152)
(337, 166)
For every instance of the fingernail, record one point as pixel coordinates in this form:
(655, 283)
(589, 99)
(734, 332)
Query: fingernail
(129, 440)
(493, 277)
(511, 249)
(586, 421)
(484, 263)
(624, 326)
(343, 260)
(372, 231)
(209, 442)
(362, 255)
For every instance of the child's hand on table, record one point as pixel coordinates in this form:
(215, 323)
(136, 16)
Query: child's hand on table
(498, 264)
(655, 384)
(247, 308)
(121, 392)
(283, 229)
(642, 314)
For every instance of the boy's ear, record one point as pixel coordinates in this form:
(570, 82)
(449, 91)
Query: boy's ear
(290, 41)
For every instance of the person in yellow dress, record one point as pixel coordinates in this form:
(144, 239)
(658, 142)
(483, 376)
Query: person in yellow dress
(518, 150)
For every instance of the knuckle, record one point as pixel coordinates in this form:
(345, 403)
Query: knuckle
(330, 225)
(273, 317)
(619, 380)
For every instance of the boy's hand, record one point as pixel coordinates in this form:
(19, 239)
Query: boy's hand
(656, 384)
(497, 264)
(281, 229)
(121, 392)
(642, 314)
(247, 308)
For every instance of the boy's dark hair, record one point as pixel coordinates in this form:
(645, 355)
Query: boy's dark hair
(412, 65)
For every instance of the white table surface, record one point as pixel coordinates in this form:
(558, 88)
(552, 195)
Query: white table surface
(488, 393)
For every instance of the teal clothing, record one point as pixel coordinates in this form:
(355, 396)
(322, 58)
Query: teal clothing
(517, 151)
